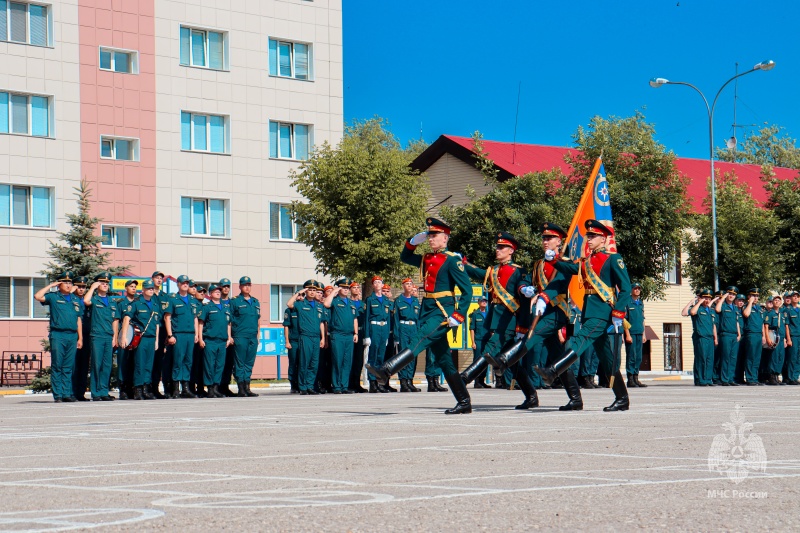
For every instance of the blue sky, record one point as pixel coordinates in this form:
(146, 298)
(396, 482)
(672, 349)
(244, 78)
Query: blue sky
(455, 66)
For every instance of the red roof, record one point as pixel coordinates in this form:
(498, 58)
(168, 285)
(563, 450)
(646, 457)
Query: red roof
(518, 159)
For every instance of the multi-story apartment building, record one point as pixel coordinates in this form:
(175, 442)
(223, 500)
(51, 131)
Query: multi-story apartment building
(185, 118)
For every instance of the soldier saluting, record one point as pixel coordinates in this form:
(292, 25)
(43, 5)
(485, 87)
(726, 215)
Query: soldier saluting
(442, 271)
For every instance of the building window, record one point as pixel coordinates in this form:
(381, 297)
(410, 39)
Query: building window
(673, 351)
(119, 148)
(124, 61)
(281, 225)
(673, 273)
(204, 133)
(26, 206)
(278, 296)
(204, 217)
(16, 298)
(289, 60)
(24, 23)
(25, 114)
(289, 141)
(120, 236)
(204, 48)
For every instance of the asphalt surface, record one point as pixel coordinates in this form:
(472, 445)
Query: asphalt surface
(394, 462)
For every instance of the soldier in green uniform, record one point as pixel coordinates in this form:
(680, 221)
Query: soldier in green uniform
(716, 380)
(291, 333)
(404, 326)
(507, 316)
(227, 368)
(358, 349)
(738, 376)
(145, 312)
(312, 334)
(478, 337)
(162, 366)
(377, 323)
(343, 328)
(324, 381)
(704, 337)
(754, 338)
(729, 335)
(180, 321)
(774, 352)
(80, 372)
(791, 365)
(214, 338)
(442, 271)
(245, 317)
(589, 361)
(196, 379)
(634, 336)
(125, 365)
(601, 272)
(66, 334)
(102, 335)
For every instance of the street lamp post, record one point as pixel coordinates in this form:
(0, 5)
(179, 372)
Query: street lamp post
(658, 82)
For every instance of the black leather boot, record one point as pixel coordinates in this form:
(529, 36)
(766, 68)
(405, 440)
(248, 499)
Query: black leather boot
(123, 392)
(438, 385)
(528, 389)
(464, 404)
(137, 393)
(404, 385)
(412, 386)
(392, 366)
(480, 383)
(431, 386)
(241, 391)
(187, 390)
(176, 390)
(550, 373)
(373, 386)
(250, 394)
(631, 382)
(389, 387)
(638, 383)
(508, 357)
(146, 393)
(621, 402)
(573, 392)
(381, 387)
(475, 370)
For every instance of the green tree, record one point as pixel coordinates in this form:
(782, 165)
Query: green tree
(415, 147)
(768, 146)
(79, 249)
(361, 202)
(748, 246)
(784, 203)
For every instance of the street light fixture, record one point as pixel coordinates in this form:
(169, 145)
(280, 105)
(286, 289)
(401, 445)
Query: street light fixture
(658, 82)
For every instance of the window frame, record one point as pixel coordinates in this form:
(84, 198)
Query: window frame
(293, 140)
(134, 61)
(206, 52)
(114, 227)
(226, 136)
(676, 265)
(113, 138)
(281, 305)
(669, 338)
(207, 217)
(29, 111)
(48, 21)
(51, 207)
(32, 302)
(292, 58)
(295, 225)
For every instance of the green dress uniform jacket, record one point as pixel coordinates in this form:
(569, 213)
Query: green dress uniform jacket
(341, 323)
(183, 313)
(729, 344)
(147, 315)
(753, 346)
(309, 317)
(104, 312)
(64, 314)
(543, 345)
(405, 318)
(245, 318)
(215, 319)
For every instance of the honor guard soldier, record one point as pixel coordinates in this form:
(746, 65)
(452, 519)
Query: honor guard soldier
(102, 334)
(600, 273)
(774, 324)
(125, 364)
(66, 334)
(358, 350)
(478, 337)
(245, 317)
(312, 334)
(145, 312)
(214, 338)
(291, 333)
(754, 338)
(634, 336)
(442, 272)
(343, 327)
(704, 337)
(729, 336)
(507, 316)
(180, 321)
(404, 328)
(377, 323)
(80, 372)
(196, 379)
(791, 365)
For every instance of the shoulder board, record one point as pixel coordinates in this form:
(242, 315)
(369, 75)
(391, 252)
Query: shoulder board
(172, 295)
(453, 254)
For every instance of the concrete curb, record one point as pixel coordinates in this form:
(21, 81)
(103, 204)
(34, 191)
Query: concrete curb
(15, 392)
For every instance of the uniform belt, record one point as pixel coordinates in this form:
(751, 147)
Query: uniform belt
(441, 294)
(376, 323)
(590, 291)
(407, 322)
(774, 329)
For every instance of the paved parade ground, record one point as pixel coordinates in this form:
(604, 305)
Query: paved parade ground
(378, 462)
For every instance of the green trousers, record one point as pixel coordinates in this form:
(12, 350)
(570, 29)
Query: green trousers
(102, 360)
(341, 359)
(432, 336)
(633, 354)
(143, 361)
(244, 357)
(405, 335)
(62, 362)
(543, 345)
(308, 361)
(777, 356)
(703, 360)
(292, 354)
(593, 333)
(728, 353)
(182, 354)
(753, 348)
(213, 361)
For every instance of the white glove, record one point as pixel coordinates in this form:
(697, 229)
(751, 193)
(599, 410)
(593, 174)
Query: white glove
(518, 336)
(549, 255)
(529, 291)
(453, 323)
(617, 323)
(367, 341)
(419, 238)
(397, 346)
(541, 307)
